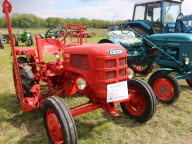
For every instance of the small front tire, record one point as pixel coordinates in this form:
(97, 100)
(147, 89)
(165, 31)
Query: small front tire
(165, 86)
(143, 106)
(58, 122)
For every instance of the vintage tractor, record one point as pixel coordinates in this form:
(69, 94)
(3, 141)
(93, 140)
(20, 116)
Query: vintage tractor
(1, 41)
(159, 16)
(5, 38)
(24, 37)
(171, 51)
(97, 71)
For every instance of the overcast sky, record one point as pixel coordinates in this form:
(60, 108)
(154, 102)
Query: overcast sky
(91, 9)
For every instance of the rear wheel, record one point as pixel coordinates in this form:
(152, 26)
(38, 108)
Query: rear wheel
(26, 77)
(28, 43)
(16, 39)
(143, 106)
(189, 81)
(139, 30)
(58, 122)
(1, 41)
(148, 68)
(165, 86)
(31, 39)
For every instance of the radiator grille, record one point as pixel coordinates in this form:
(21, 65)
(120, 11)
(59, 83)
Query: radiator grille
(80, 61)
(110, 75)
(122, 72)
(110, 63)
(122, 61)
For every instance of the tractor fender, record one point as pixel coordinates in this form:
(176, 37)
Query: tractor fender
(110, 41)
(141, 24)
(168, 70)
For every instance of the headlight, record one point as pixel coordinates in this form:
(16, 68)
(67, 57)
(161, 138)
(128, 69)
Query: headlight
(186, 61)
(81, 83)
(130, 73)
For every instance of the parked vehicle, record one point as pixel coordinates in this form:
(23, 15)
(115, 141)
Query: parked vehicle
(171, 51)
(97, 71)
(159, 16)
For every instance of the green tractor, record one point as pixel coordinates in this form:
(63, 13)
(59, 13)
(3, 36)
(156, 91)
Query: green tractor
(25, 37)
(1, 41)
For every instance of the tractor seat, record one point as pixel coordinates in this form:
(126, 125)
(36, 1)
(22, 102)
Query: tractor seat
(126, 39)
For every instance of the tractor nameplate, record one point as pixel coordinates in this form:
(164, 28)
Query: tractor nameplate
(115, 52)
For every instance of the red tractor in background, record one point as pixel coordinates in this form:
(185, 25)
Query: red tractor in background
(97, 71)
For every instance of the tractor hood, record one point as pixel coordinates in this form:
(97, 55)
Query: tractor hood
(172, 37)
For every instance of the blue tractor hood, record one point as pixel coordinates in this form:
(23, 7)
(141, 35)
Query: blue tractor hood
(172, 37)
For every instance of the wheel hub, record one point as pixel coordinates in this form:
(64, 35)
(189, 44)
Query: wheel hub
(163, 89)
(54, 127)
(137, 105)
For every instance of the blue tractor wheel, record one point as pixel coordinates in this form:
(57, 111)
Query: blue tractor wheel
(189, 82)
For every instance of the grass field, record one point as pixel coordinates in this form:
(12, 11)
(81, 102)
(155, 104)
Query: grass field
(172, 124)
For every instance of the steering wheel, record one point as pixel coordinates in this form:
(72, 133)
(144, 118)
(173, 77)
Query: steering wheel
(125, 30)
(56, 33)
(177, 21)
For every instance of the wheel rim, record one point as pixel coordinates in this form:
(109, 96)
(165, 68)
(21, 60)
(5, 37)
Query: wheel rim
(139, 68)
(54, 127)
(138, 104)
(163, 89)
(4, 41)
(190, 81)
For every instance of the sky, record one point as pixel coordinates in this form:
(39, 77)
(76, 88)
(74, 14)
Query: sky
(91, 9)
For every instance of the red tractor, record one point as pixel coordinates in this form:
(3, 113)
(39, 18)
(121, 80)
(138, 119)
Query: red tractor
(97, 71)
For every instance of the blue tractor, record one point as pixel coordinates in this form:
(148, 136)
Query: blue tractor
(159, 16)
(171, 51)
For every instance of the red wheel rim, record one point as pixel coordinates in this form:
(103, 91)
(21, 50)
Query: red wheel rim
(54, 127)
(190, 81)
(137, 105)
(163, 89)
(139, 68)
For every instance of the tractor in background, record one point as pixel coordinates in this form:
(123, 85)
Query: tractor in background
(159, 16)
(5, 38)
(1, 41)
(24, 37)
(171, 51)
(96, 71)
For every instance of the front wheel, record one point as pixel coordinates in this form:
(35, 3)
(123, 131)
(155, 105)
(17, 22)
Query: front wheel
(58, 122)
(143, 106)
(165, 86)
(189, 82)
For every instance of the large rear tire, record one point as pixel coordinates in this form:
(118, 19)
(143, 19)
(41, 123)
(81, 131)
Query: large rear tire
(31, 39)
(139, 30)
(58, 122)
(26, 77)
(143, 106)
(16, 39)
(1, 41)
(189, 82)
(165, 86)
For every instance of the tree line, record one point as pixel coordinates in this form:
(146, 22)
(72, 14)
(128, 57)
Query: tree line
(26, 20)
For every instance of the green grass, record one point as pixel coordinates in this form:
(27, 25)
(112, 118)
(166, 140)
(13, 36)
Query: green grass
(170, 124)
